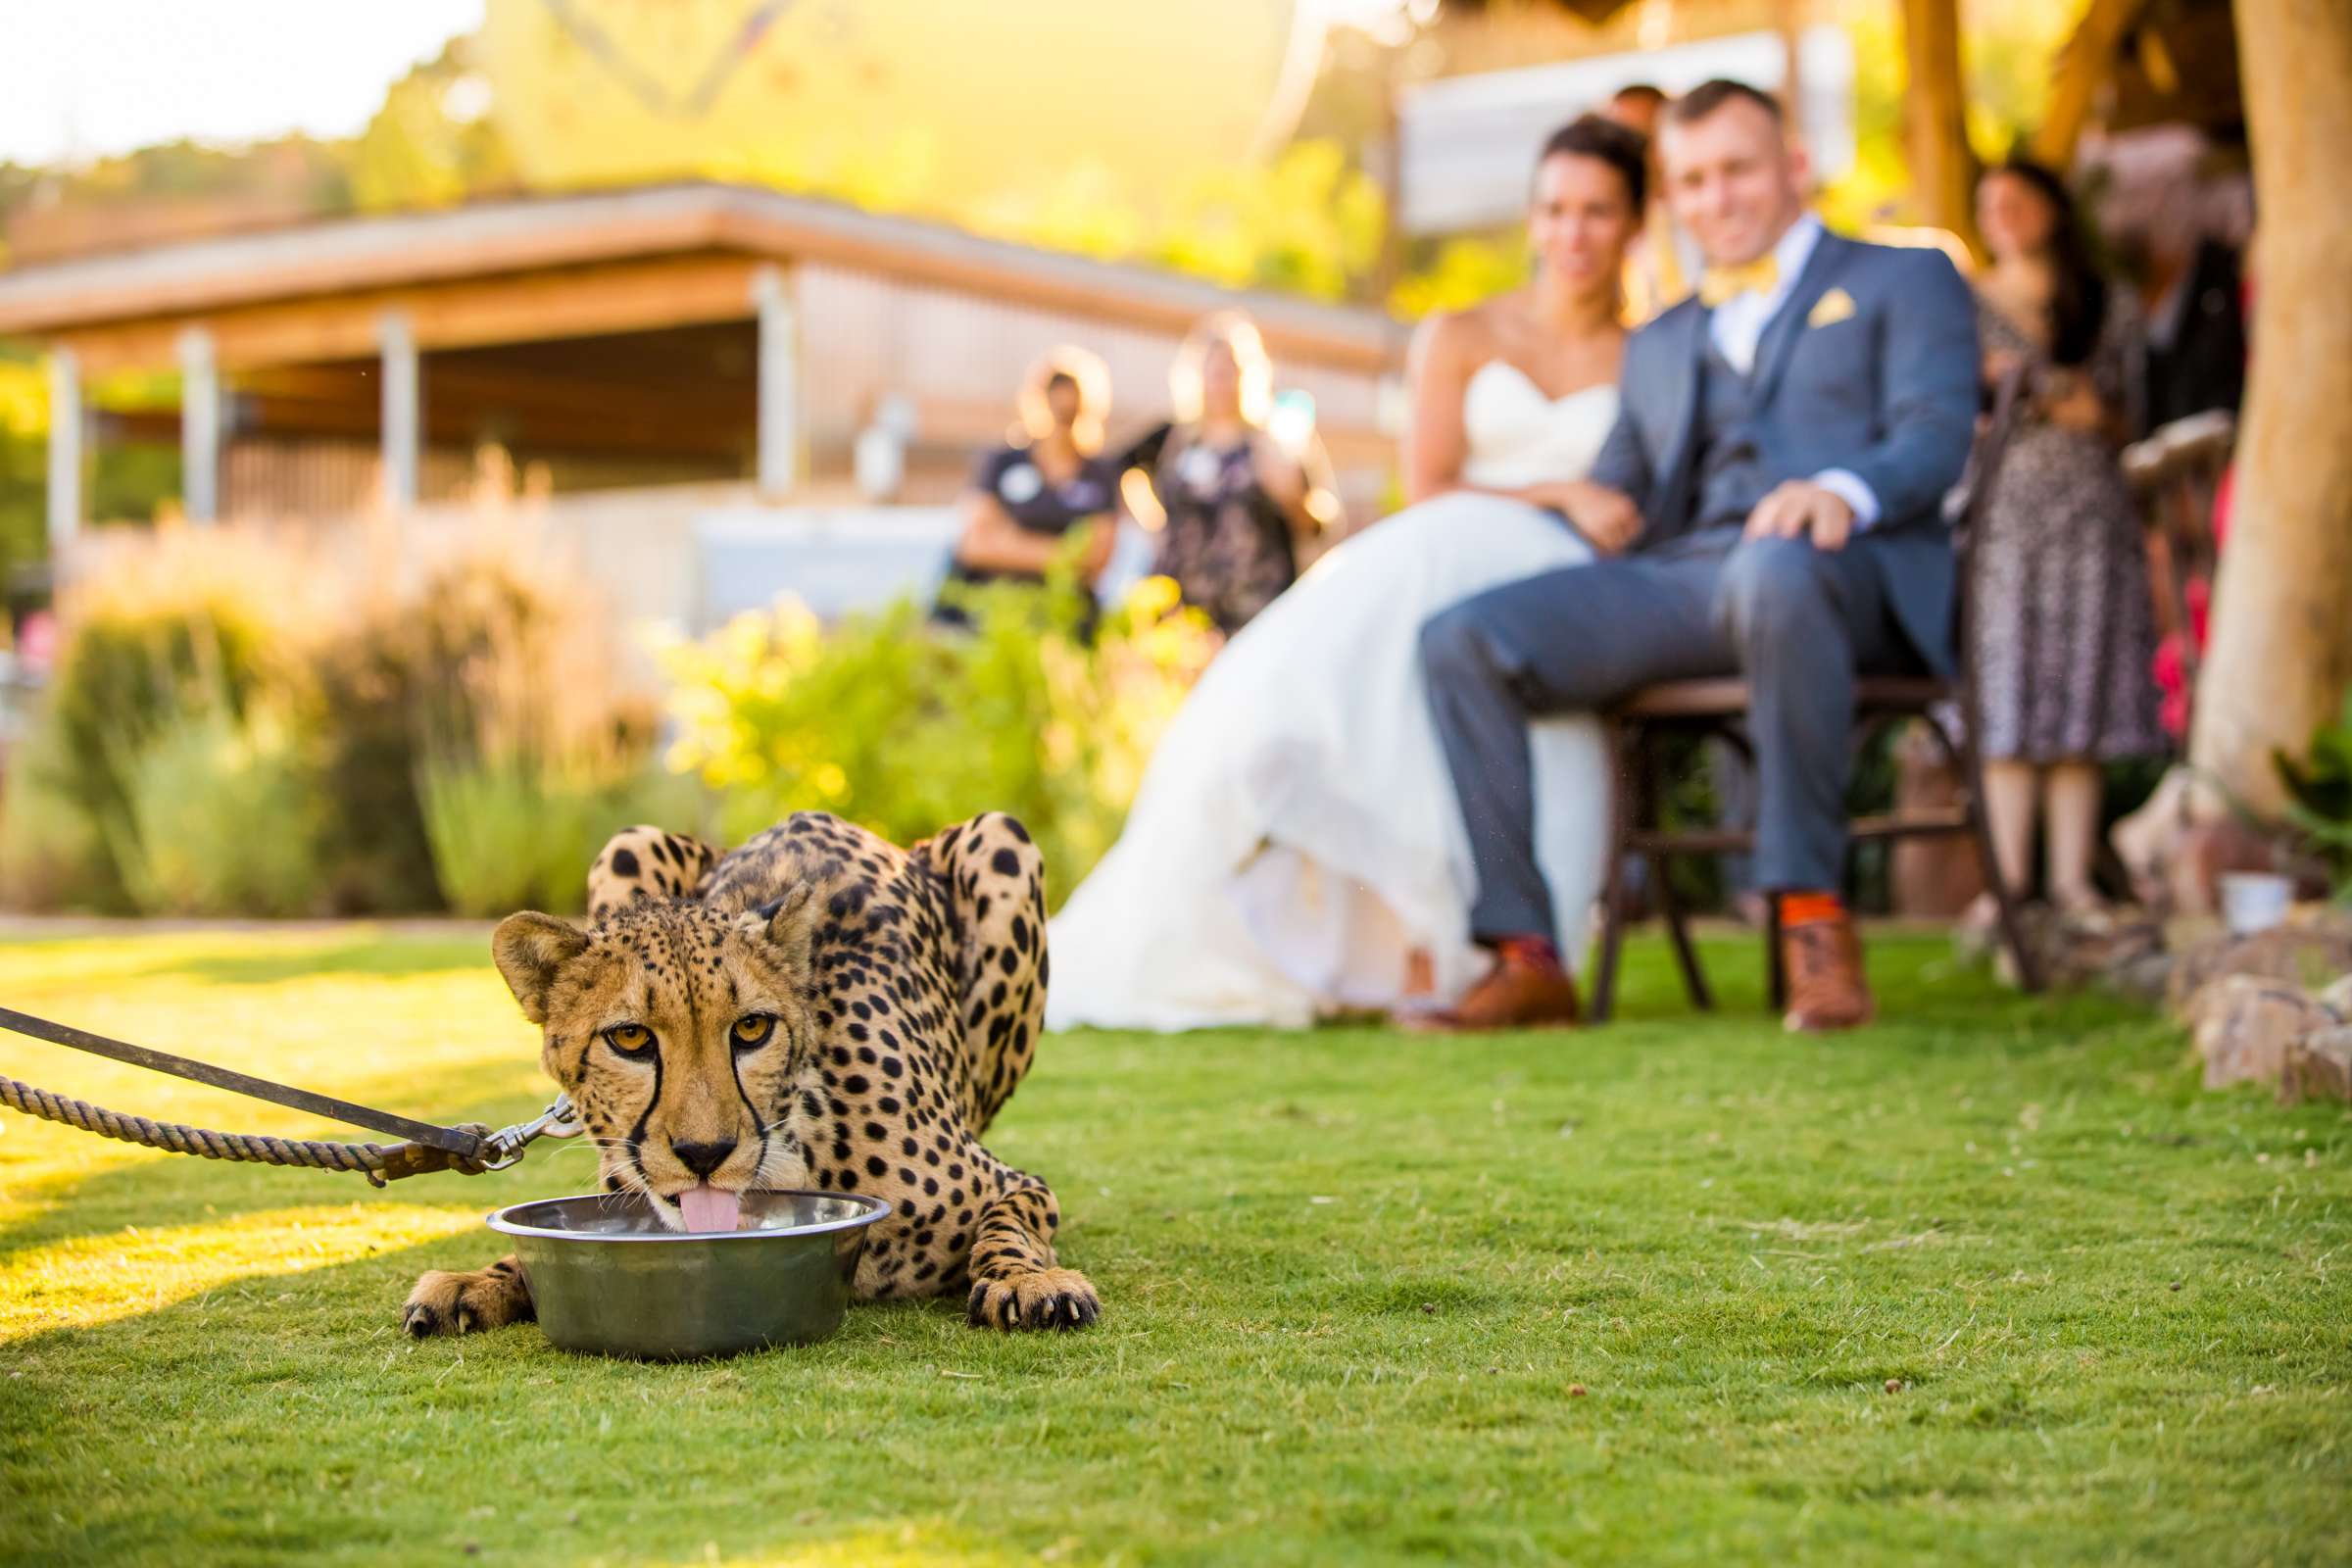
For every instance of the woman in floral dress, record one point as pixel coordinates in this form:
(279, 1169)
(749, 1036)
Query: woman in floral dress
(2063, 622)
(1244, 504)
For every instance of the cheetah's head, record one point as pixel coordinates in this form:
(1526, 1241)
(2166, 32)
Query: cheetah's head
(677, 1031)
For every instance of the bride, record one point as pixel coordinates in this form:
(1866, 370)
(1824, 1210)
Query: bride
(1296, 848)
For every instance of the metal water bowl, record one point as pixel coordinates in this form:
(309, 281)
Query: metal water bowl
(608, 1279)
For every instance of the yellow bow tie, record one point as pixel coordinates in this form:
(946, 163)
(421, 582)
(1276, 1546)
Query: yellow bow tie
(1759, 276)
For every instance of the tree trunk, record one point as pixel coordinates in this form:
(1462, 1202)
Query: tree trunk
(2282, 653)
(1934, 118)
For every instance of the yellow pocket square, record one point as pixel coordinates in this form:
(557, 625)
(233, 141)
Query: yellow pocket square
(1834, 306)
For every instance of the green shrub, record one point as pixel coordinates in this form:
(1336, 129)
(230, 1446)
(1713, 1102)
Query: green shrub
(224, 818)
(2319, 790)
(491, 678)
(515, 834)
(484, 649)
(501, 838)
(51, 854)
(906, 729)
(134, 655)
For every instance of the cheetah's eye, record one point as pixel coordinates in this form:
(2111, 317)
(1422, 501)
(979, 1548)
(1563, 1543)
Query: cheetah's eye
(752, 1030)
(631, 1039)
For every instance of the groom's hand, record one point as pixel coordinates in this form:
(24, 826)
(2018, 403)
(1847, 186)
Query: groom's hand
(1799, 508)
(1607, 518)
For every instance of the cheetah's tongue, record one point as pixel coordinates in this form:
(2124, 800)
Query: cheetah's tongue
(707, 1209)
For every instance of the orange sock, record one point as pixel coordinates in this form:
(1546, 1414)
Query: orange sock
(1807, 909)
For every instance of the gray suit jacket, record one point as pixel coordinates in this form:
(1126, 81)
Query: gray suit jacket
(1888, 393)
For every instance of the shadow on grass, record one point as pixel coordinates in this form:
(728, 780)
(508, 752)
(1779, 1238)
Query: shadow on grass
(369, 954)
(1921, 984)
(292, 1384)
(1935, 1002)
(173, 1189)
(1754, 1294)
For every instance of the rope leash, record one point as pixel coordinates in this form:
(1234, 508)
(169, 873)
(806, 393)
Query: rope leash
(470, 1148)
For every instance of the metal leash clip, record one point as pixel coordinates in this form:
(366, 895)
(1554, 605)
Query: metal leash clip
(505, 1147)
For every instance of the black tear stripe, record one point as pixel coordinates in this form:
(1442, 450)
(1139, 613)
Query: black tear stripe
(637, 1133)
(759, 1122)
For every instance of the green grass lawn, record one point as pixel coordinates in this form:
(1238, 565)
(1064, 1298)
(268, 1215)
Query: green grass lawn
(1993, 1283)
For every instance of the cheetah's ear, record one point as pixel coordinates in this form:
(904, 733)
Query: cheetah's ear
(791, 930)
(529, 950)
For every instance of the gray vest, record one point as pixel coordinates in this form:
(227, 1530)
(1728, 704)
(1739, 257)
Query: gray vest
(1731, 460)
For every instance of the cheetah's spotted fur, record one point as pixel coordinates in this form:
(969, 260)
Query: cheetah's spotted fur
(911, 989)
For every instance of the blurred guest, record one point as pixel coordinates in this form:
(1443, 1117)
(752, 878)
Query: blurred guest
(1242, 483)
(1659, 270)
(2062, 625)
(2197, 334)
(1636, 106)
(2166, 222)
(1049, 480)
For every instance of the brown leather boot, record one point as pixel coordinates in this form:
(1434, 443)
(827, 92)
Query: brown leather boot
(1521, 993)
(1827, 988)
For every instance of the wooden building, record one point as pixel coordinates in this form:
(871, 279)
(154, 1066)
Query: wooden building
(731, 339)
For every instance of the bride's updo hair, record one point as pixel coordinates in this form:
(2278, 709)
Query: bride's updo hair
(1620, 147)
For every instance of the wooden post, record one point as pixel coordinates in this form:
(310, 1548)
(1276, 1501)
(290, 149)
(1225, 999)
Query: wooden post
(199, 427)
(403, 410)
(65, 426)
(1388, 265)
(1790, 15)
(1934, 117)
(2082, 69)
(779, 412)
(2281, 658)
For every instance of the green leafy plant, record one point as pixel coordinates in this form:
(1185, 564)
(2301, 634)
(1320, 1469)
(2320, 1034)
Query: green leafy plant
(490, 678)
(2319, 787)
(52, 854)
(157, 632)
(905, 728)
(223, 818)
(227, 664)
(513, 833)
(501, 838)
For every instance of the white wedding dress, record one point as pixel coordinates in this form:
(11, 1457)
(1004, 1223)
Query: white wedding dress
(1295, 838)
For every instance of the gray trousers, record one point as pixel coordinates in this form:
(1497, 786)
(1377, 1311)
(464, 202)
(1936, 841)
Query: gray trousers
(1798, 622)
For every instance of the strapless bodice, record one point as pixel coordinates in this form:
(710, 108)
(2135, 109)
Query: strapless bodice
(1519, 437)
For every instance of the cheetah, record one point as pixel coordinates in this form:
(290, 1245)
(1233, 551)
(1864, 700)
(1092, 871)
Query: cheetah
(817, 1009)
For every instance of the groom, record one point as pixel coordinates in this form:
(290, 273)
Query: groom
(1767, 507)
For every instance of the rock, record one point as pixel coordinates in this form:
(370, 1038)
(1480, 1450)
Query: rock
(2182, 841)
(2105, 946)
(2308, 951)
(2120, 948)
(2323, 914)
(2319, 1066)
(2246, 1026)
(2206, 851)
(2147, 840)
(2144, 979)
(2337, 997)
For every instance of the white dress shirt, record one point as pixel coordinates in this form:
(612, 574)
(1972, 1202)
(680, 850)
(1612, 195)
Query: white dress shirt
(1737, 327)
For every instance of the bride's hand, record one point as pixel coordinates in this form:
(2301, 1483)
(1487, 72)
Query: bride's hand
(1607, 518)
